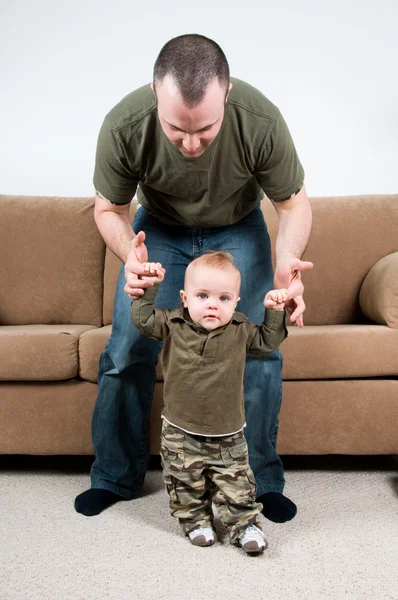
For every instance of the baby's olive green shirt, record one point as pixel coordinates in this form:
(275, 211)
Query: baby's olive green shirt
(252, 154)
(203, 370)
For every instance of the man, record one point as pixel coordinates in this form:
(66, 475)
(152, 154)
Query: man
(201, 149)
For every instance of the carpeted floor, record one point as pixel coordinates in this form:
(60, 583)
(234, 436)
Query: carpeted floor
(343, 544)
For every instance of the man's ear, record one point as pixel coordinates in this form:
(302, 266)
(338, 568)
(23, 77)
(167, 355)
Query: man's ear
(229, 89)
(153, 89)
(183, 298)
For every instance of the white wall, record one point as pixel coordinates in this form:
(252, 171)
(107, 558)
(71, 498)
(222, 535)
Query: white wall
(331, 67)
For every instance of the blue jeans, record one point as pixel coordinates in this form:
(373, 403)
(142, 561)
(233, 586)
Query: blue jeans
(126, 379)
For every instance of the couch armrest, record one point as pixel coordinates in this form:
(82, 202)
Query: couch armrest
(378, 297)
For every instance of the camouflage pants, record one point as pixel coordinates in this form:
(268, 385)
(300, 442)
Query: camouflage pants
(199, 470)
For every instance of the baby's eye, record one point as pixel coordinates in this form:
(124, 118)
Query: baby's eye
(224, 298)
(202, 296)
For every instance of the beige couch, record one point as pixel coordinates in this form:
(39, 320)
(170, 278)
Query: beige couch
(340, 372)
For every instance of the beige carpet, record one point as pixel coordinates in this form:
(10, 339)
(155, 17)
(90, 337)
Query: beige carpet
(342, 545)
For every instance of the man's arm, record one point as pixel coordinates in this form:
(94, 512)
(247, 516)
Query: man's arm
(295, 220)
(114, 225)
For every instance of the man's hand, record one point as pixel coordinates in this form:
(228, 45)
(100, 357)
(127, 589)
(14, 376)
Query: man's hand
(134, 269)
(288, 275)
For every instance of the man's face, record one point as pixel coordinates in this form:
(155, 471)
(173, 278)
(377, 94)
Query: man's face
(211, 295)
(191, 130)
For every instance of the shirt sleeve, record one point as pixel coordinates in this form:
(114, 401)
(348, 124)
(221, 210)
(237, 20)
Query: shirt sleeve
(268, 336)
(150, 321)
(279, 171)
(113, 176)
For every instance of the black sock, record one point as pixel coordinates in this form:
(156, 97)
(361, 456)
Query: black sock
(95, 500)
(276, 507)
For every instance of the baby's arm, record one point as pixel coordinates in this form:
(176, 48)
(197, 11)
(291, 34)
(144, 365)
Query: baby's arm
(267, 337)
(150, 321)
(276, 299)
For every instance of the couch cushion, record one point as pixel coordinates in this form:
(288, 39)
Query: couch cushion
(339, 352)
(311, 352)
(91, 345)
(379, 292)
(39, 352)
(52, 261)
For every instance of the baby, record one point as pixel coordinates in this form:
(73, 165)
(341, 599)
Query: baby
(203, 448)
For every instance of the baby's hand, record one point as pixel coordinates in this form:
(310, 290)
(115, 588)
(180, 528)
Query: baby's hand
(153, 272)
(276, 299)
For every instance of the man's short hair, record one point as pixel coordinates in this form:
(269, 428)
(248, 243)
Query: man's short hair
(193, 61)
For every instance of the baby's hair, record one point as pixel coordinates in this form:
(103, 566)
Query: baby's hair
(219, 259)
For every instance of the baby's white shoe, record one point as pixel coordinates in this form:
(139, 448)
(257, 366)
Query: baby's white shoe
(253, 540)
(202, 536)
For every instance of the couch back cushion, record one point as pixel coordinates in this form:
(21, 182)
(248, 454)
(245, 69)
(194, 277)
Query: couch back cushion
(349, 235)
(52, 261)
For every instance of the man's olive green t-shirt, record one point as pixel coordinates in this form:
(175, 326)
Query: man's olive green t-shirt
(252, 154)
(203, 370)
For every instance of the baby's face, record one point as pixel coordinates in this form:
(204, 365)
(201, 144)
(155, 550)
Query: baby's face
(211, 295)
